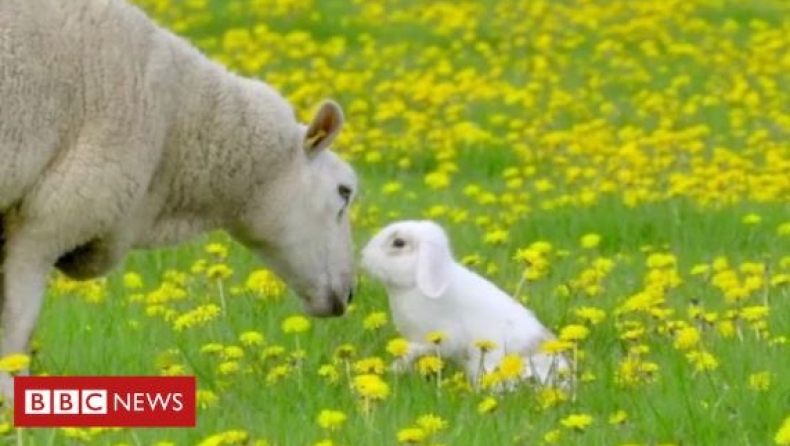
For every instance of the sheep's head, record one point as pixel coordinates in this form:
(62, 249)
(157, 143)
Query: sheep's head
(301, 226)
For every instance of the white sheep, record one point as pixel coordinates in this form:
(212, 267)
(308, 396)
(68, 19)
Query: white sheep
(117, 134)
(430, 292)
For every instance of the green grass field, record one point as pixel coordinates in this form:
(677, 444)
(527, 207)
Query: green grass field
(634, 153)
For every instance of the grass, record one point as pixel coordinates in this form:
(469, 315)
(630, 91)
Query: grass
(567, 124)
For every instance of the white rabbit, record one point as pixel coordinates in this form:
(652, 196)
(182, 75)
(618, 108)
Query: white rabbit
(430, 292)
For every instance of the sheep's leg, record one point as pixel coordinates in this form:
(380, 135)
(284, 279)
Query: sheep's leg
(26, 267)
(2, 263)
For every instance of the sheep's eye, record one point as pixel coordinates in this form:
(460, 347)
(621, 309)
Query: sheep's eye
(344, 191)
(398, 243)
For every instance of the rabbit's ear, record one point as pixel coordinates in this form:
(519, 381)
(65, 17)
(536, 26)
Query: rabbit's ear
(434, 264)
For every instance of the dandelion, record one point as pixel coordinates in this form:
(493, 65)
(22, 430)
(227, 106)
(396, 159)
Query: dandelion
(555, 346)
(511, 366)
(232, 352)
(132, 281)
(488, 405)
(197, 317)
(398, 347)
(375, 321)
(435, 337)
(590, 241)
(206, 398)
(277, 373)
(251, 339)
(295, 324)
(230, 437)
(371, 387)
(590, 315)
(618, 417)
(751, 219)
(329, 373)
(702, 360)
(430, 365)
(217, 249)
(552, 436)
(431, 424)
(219, 271)
(14, 363)
(686, 338)
(345, 351)
(549, 397)
(228, 367)
(369, 365)
(760, 382)
(578, 422)
(411, 435)
(574, 333)
(485, 345)
(782, 437)
(331, 420)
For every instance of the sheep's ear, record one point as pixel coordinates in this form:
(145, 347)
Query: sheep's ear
(434, 264)
(323, 129)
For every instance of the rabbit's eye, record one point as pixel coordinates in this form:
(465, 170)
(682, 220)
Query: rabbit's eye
(398, 243)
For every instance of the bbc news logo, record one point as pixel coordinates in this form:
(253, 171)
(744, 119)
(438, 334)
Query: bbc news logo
(104, 401)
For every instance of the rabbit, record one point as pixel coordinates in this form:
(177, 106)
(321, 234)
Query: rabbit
(429, 291)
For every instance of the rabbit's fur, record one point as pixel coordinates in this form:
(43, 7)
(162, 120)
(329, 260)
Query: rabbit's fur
(429, 291)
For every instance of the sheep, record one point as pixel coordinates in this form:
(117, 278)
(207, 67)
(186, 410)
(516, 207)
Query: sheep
(116, 134)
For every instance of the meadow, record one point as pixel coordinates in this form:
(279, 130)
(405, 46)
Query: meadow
(628, 159)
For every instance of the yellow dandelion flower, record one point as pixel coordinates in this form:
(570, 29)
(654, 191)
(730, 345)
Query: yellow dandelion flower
(578, 422)
(435, 337)
(217, 249)
(295, 324)
(485, 345)
(751, 219)
(398, 347)
(219, 271)
(228, 367)
(206, 398)
(590, 241)
(277, 373)
(329, 372)
(591, 315)
(411, 435)
(371, 387)
(375, 320)
(618, 417)
(574, 333)
(331, 420)
(14, 363)
(555, 346)
(687, 338)
(553, 436)
(431, 423)
(232, 352)
(251, 338)
(370, 365)
(782, 437)
(132, 281)
(430, 365)
(488, 405)
(760, 381)
(702, 360)
(511, 366)
(549, 397)
(197, 317)
(345, 351)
